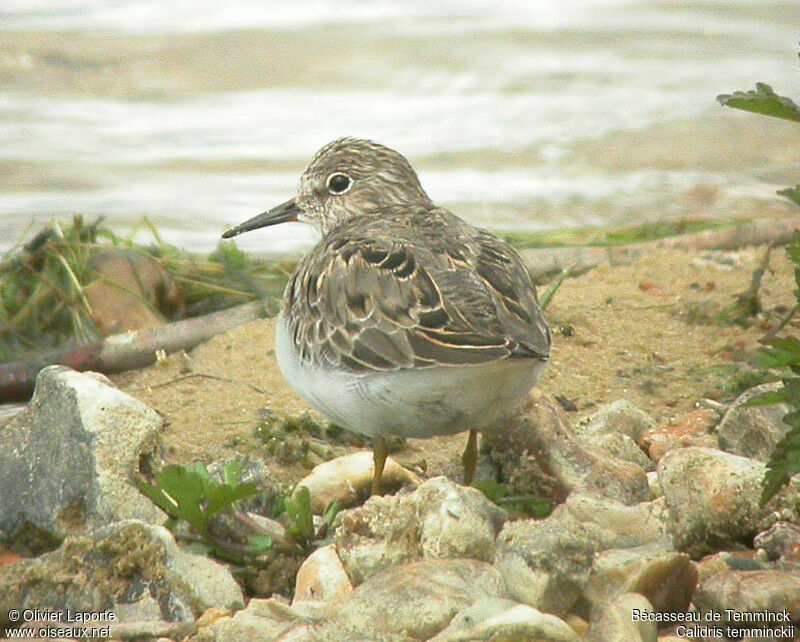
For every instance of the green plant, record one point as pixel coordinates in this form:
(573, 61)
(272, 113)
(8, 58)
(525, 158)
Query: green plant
(298, 509)
(780, 354)
(526, 504)
(43, 281)
(190, 494)
(762, 100)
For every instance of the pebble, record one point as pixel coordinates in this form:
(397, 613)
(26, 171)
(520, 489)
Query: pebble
(753, 431)
(613, 621)
(322, 578)
(781, 540)
(505, 620)
(691, 430)
(751, 591)
(712, 498)
(348, 480)
(440, 519)
(546, 563)
(416, 600)
(543, 432)
(666, 578)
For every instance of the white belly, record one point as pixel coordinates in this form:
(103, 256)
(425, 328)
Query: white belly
(410, 403)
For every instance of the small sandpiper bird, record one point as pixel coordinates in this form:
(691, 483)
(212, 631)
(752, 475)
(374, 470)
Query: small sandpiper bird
(404, 319)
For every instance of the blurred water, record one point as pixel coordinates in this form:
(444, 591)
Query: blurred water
(526, 115)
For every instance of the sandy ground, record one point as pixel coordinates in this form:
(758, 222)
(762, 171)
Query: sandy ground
(636, 332)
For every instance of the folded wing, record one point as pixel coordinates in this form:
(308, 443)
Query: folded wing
(368, 302)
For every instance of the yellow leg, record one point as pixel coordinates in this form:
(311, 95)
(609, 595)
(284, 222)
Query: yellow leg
(470, 457)
(379, 452)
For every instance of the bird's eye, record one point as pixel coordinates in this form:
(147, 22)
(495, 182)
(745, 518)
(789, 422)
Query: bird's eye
(339, 183)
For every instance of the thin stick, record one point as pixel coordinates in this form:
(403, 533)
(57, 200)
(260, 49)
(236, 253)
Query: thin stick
(126, 351)
(215, 288)
(200, 374)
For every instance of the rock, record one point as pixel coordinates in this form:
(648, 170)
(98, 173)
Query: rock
(279, 571)
(725, 561)
(539, 444)
(781, 540)
(691, 430)
(753, 431)
(131, 293)
(322, 578)
(613, 622)
(619, 417)
(629, 526)
(211, 615)
(145, 609)
(537, 581)
(546, 563)
(413, 601)
(665, 578)
(261, 621)
(124, 565)
(348, 479)
(713, 498)
(300, 633)
(655, 486)
(621, 447)
(486, 468)
(744, 592)
(577, 624)
(456, 521)
(499, 619)
(438, 520)
(71, 460)
(149, 630)
(382, 533)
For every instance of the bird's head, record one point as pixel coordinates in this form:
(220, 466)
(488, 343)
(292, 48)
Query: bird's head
(347, 178)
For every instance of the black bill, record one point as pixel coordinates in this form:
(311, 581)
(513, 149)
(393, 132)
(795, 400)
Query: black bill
(282, 213)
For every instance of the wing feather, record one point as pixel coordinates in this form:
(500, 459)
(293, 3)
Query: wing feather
(367, 300)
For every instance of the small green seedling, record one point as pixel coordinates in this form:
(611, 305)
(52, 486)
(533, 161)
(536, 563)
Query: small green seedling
(298, 509)
(189, 494)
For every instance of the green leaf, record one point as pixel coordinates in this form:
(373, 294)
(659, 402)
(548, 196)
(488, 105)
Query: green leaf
(792, 387)
(783, 464)
(538, 508)
(299, 509)
(792, 419)
(550, 292)
(200, 470)
(792, 193)
(259, 544)
(219, 497)
(762, 101)
(189, 494)
(779, 353)
(184, 486)
(331, 512)
(794, 246)
(161, 499)
(498, 494)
